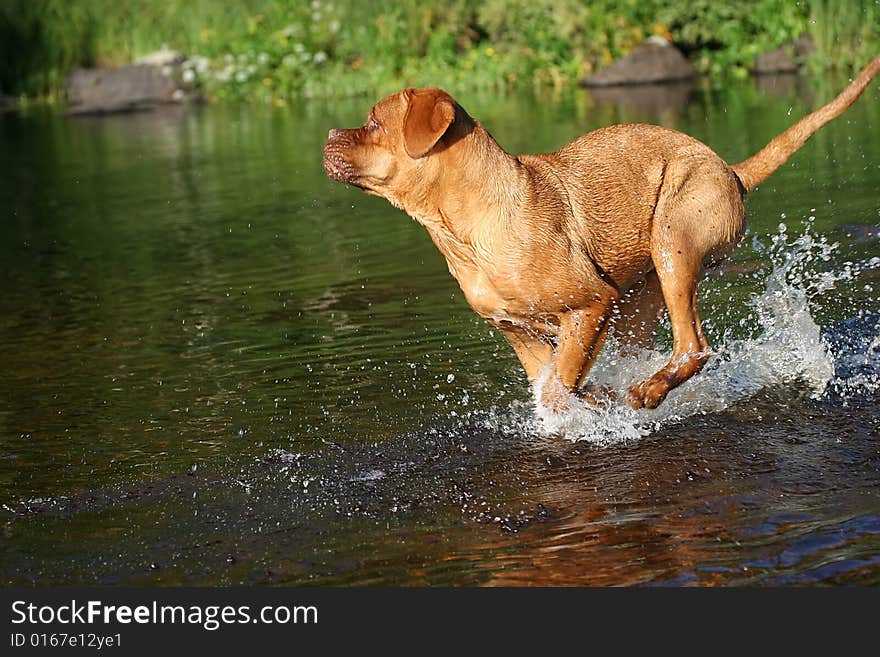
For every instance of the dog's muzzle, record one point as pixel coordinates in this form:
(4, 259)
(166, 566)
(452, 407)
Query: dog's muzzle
(335, 165)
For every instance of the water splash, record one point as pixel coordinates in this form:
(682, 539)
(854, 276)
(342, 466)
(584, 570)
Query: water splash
(856, 346)
(785, 348)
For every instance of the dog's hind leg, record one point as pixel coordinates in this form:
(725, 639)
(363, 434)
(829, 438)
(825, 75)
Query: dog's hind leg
(637, 314)
(678, 276)
(691, 221)
(699, 212)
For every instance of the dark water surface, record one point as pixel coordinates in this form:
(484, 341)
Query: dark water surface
(218, 367)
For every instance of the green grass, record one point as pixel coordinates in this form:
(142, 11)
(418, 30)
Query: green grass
(845, 32)
(272, 50)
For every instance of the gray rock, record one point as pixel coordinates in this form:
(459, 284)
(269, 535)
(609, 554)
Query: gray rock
(655, 60)
(124, 89)
(787, 58)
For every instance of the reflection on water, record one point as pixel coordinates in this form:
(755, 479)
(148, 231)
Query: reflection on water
(222, 368)
(658, 103)
(787, 85)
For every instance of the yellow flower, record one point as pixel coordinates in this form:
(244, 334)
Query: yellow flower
(267, 82)
(490, 51)
(661, 30)
(279, 102)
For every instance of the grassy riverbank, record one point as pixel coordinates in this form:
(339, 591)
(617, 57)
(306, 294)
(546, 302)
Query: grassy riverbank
(272, 50)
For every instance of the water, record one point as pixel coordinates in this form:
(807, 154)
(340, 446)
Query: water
(221, 368)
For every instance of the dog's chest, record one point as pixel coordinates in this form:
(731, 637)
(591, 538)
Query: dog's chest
(513, 289)
(481, 292)
(507, 299)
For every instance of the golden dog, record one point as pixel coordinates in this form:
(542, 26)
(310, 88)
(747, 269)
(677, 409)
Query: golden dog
(554, 249)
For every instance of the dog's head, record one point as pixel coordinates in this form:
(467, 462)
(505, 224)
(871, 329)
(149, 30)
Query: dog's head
(389, 154)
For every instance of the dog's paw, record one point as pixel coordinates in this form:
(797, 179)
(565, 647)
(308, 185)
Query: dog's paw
(647, 394)
(556, 403)
(552, 395)
(596, 395)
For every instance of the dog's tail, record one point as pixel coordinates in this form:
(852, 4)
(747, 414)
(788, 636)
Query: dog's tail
(755, 170)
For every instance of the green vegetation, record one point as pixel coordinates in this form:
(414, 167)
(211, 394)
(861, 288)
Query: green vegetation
(271, 50)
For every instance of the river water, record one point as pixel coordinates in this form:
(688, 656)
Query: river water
(220, 367)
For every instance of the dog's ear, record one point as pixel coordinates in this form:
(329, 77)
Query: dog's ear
(429, 115)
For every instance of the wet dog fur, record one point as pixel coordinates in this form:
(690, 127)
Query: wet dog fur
(556, 250)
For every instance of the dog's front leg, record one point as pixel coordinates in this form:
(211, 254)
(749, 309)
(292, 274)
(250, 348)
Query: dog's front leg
(581, 335)
(535, 355)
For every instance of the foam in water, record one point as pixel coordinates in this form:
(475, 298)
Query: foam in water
(786, 348)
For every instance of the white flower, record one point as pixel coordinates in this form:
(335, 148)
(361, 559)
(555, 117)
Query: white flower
(298, 47)
(262, 58)
(320, 57)
(203, 65)
(241, 76)
(188, 75)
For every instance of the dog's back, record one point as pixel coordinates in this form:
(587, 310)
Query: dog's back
(615, 177)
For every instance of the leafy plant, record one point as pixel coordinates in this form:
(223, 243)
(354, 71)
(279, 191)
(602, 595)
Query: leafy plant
(271, 50)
